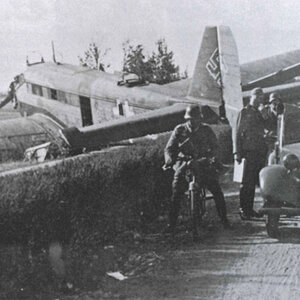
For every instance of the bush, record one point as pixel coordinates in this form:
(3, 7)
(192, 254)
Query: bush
(104, 191)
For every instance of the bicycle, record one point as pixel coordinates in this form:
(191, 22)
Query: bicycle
(196, 194)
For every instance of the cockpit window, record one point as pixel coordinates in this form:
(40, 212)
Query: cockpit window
(131, 80)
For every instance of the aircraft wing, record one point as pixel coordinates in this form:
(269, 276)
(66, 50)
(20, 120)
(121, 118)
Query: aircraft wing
(276, 78)
(97, 136)
(262, 67)
(274, 74)
(152, 122)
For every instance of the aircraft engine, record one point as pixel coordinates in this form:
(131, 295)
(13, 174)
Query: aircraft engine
(16, 135)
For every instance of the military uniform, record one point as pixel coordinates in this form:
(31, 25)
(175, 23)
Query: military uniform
(251, 145)
(186, 143)
(271, 125)
(270, 114)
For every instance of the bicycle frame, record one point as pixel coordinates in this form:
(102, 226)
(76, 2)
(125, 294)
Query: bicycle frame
(197, 199)
(196, 195)
(197, 192)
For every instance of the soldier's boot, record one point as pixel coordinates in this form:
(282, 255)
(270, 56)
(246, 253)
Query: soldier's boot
(244, 216)
(256, 214)
(221, 209)
(223, 216)
(226, 224)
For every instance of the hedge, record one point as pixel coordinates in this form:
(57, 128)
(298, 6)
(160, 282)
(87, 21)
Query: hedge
(89, 197)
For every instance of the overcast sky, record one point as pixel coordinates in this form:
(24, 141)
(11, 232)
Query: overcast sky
(261, 28)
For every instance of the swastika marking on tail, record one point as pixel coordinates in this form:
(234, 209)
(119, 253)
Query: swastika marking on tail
(213, 66)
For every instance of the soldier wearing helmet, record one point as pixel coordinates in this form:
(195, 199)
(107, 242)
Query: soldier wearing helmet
(272, 110)
(270, 113)
(195, 140)
(250, 145)
(276, 106)
(291, 162)
(275, 102)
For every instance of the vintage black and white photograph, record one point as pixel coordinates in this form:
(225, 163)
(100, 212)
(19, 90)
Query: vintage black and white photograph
(149, 149)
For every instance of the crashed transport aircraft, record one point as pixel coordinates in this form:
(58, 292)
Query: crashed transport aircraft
(90, 109)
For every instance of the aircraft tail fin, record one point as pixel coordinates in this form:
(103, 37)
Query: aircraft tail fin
(206, 81)
(216, 76)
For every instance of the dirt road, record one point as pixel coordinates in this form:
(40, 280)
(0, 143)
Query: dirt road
(243, 263)
(240, 264)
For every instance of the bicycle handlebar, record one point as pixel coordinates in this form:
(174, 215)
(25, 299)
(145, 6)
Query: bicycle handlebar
(204, 161)
(189, 161)
(165, 168)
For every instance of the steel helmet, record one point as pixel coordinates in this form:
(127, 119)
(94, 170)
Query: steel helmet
(192, 112)
(257, 92)
(274, 96)
(291, 161)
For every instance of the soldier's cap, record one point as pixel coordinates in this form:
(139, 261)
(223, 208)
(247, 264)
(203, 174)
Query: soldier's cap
(193, 112)
(274, 96)
(257, 92)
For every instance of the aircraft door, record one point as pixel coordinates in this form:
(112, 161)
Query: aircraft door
(86, 113)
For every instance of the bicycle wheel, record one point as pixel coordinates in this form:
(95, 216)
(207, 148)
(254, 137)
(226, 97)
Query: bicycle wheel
(195, 214)
(202, 203)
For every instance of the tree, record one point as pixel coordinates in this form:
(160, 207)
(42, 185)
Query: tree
(94, 57)
(134, 61)
(165, 70)
(158, 68)
(185, 74)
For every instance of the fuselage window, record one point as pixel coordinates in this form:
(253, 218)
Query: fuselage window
(127, 109)
(121, 110)
(37, 90)
(53, 94)
(73, 99)
(61, 96)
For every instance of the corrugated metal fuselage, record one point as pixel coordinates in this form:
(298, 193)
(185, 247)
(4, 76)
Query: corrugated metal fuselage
(69, 96)
(78, 90)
